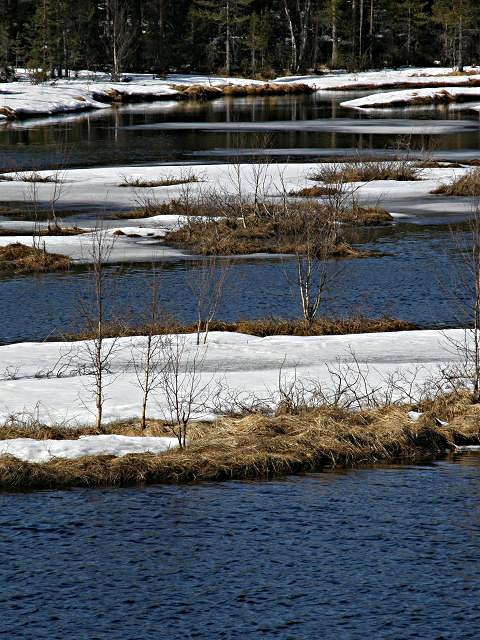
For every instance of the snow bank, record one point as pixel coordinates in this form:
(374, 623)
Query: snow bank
(32, 450)
(135, 244)
(418, 76)
(48, 380)
(22, 100)
(413, 97)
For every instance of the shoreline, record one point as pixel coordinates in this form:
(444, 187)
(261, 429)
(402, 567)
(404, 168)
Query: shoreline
(257, 448)
(91, 91)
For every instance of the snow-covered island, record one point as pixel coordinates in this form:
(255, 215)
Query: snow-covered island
(87, 90)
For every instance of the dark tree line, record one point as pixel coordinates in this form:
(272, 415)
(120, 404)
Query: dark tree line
(257, 37)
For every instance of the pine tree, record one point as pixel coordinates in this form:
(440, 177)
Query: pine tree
(229, 15)
(456, 18)
(257, 39)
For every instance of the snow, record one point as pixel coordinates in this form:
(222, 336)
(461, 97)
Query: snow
(414, 96)
(99, 190)
(32, 450)
(142, 239)
(386, 77)
(95, 90)
(25, 100)
(45, 379)
(138, 245)
(22, 99)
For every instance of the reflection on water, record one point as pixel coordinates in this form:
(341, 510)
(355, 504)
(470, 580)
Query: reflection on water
(384, 553)
(102, 137)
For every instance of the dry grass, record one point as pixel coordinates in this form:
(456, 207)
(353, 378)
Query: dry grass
(467, 185)
(30, 177)
(161, 182)
(268, 89)
(17, 258)
(53, 231)
(314, 192)
(207, 92)
(261, 328)
(259, 447)
(367, 171)
(230, 237)
(211, 207)
(246, 228)
(198, 91)
(30, 428)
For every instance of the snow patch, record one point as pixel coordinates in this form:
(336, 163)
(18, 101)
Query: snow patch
(31, 450)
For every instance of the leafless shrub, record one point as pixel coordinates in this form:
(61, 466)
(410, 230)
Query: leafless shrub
(207, 288)
(183, 388)
(96, 354)
(147, 353)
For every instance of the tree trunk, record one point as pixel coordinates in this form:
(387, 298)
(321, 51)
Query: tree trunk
(460, 45)
(227, 41)
(360, 35)
(293, 40)
(370, 34)
(334, 60)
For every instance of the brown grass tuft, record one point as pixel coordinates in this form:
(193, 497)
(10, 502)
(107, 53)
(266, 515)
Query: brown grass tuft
(230, 237)
(467, 185)
(314, 192)
(268, 89)
(240, 228)
(161, 182)
(367, 171)
(18, 258)
(199, 91)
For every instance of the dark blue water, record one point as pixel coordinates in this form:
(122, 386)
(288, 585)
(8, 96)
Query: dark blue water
(387, 553)
(417, 281)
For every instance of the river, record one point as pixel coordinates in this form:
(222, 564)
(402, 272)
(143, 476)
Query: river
(387, 553)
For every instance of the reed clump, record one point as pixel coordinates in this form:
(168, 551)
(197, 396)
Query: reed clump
(314, 192)
(466, 185)
(160, 182)
(17, 258)
(241, 228)
(230, 237)
(367, 171)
